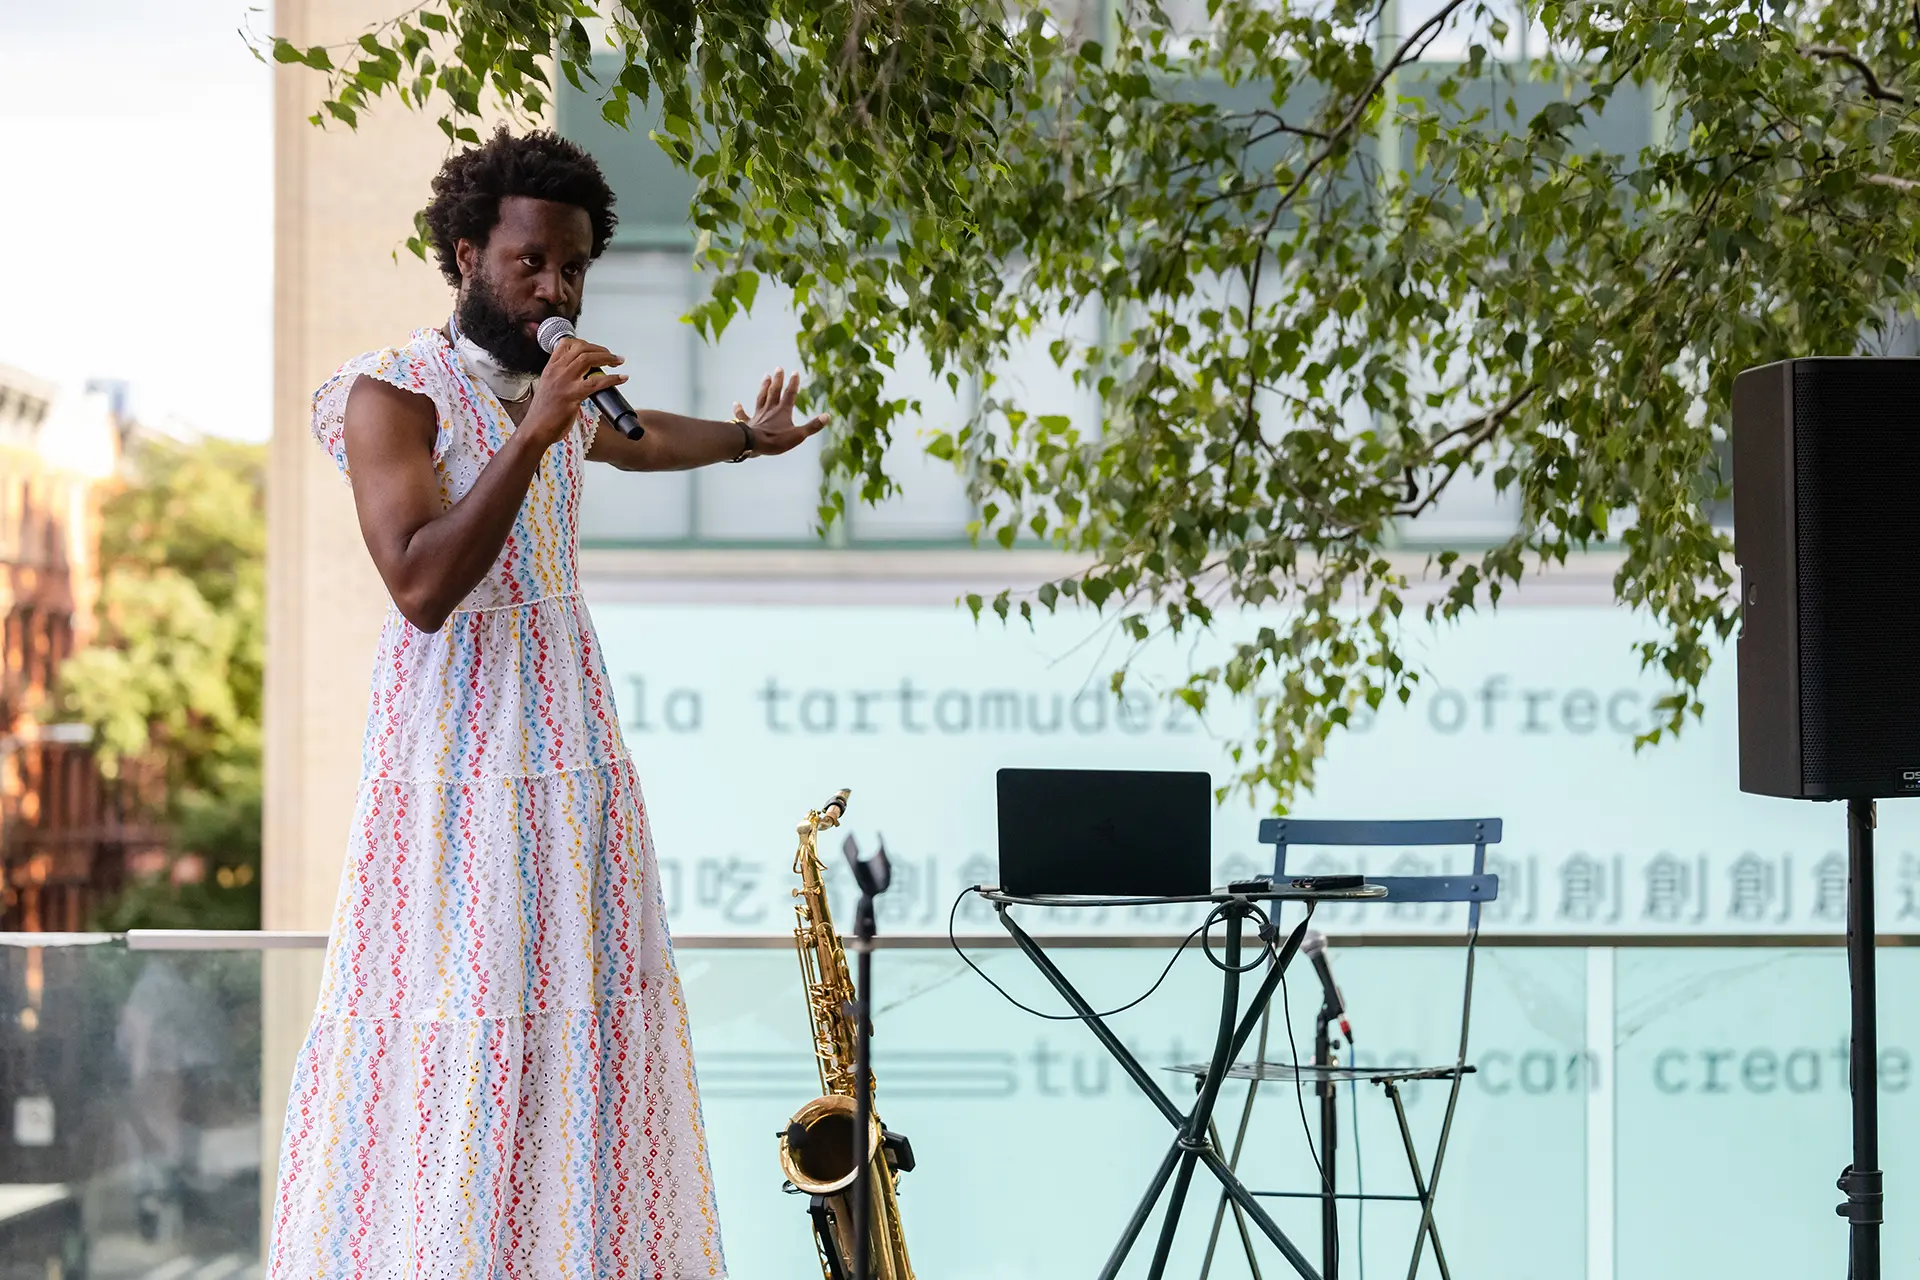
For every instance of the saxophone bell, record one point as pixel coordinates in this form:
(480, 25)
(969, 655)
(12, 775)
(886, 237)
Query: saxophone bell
(817, 1150)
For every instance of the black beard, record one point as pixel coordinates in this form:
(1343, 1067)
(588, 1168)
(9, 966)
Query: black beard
(486, 320)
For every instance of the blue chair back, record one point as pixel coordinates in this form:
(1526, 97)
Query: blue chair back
(1474, 889)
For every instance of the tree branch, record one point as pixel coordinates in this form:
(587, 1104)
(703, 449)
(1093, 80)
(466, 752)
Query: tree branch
(1359, 108)
(1905, 185)
(1833, 53)
(1478, 431)
(1104, 194)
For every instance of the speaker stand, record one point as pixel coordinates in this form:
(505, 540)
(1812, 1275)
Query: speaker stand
(1861, 1180)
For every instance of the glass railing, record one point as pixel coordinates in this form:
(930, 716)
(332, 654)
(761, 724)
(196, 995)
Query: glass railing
(130, 1112)
(1640, 1112)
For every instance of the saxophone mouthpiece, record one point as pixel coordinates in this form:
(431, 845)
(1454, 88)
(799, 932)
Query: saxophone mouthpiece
(836, 808)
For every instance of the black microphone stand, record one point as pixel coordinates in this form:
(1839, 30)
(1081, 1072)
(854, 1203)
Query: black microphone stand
(872, 875)
(1329, 1126)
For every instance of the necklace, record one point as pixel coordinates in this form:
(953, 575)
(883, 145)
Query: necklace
(511, 386)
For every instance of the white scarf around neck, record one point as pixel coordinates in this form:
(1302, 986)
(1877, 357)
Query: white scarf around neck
(508, 384)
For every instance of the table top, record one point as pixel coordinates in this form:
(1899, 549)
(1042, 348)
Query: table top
(1282, 892)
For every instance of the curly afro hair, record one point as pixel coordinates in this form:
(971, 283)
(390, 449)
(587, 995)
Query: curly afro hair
(469, 187)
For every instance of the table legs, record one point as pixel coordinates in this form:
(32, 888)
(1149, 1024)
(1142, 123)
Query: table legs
(1192, 1145)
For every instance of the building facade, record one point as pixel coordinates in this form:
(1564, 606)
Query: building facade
(65, 834)
(724, 536)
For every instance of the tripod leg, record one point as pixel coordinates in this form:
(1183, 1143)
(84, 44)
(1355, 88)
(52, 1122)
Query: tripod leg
(1194, 1137)
(1140, 1215)
(1220, 1213)
(1233, 1161)
(1181, 1182)
(1105, 1034)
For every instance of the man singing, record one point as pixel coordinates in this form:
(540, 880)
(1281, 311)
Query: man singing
(498, 1081)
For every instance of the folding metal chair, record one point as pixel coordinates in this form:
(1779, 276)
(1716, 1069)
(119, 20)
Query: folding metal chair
(1473, 889)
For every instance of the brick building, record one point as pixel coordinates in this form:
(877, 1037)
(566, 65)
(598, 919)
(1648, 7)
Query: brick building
(64, 838)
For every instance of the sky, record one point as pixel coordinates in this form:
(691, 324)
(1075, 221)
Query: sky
(136, 205)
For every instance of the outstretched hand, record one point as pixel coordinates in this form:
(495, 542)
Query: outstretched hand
(771, 423)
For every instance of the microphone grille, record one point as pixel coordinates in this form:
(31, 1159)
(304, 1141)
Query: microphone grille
(552, 330)
(1314, 942)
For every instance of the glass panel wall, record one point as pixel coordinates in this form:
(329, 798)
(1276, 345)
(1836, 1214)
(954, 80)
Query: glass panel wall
(1733, 1111)
(130, 1114)
(1645, 1112)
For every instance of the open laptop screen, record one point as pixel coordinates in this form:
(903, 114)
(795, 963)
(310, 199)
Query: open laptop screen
(1119, 832)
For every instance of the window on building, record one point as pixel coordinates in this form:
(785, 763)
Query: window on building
(20, 644)
(634, 302)
(59, 644)
(932, 503)
(26, 551)
(770, 500)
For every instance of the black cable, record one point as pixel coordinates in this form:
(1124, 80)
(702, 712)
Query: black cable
(953, 940)
(1266, 955)
(1268, 932)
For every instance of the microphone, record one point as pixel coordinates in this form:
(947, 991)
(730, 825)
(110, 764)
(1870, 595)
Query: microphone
(610, 401)
(1314, 948)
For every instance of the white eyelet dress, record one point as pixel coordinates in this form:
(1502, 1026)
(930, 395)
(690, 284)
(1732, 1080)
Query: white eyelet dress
(498, 1083)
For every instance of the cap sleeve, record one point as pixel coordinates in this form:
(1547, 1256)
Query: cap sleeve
(404, 367)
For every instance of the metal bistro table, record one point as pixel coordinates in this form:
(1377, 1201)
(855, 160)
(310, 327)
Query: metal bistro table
(1192, 1144)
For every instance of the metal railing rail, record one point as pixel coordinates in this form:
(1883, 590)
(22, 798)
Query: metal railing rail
(315, 940)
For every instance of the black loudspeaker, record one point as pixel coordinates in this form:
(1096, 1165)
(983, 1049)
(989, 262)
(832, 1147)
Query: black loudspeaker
(1826, 529)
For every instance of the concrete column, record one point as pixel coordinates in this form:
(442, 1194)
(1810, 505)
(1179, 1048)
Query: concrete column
(344, 204)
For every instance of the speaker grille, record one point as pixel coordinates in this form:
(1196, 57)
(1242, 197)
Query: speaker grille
(1857, 488)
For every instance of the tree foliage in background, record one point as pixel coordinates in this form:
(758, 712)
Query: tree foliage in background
(1338, 276)
(173, 682)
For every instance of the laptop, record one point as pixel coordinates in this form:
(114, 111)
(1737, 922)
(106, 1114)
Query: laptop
(1105, 832)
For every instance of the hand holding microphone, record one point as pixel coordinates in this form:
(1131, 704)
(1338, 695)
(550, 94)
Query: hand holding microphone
(580, 374)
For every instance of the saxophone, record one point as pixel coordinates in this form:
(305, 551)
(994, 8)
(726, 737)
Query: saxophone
(817, 1148)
